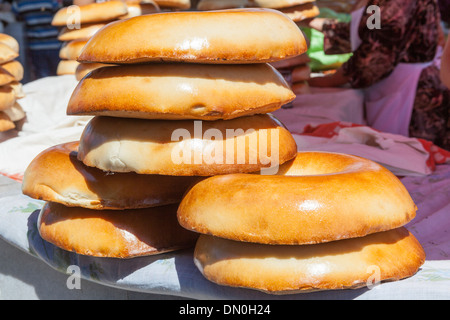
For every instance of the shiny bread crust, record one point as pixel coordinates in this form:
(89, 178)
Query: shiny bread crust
(218, 37)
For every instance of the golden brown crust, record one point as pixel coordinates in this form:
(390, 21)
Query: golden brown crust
(221, 37)
(84, 68)
(72, 49)
(57, 175)
(9, 41)
(113, 234)
(301, 12)
(206, 92)
(90, 13)
(139, 9)
(174, 4)
(346, 264)
(5, 77)
(7, 97)
(83, 33)
(5, 122)
(317, 197)
(15, 68)
(7, 53)
(185, 147)
(66, 67)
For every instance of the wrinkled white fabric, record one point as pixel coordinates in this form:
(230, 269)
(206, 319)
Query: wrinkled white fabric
(46, 125)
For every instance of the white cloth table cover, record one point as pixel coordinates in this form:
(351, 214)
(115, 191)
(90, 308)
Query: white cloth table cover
(175, 273)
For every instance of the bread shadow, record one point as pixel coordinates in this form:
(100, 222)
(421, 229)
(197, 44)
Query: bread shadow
(109, 186)
(234, 73)
(134, 274)
(196, 286)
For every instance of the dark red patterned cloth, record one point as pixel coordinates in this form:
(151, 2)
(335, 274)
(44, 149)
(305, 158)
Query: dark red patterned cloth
(444, 5)
(409, 34)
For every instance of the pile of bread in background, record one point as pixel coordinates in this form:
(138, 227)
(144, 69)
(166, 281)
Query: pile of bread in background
(176, 155)
(78, 25)
(297, 10)
(11, 73)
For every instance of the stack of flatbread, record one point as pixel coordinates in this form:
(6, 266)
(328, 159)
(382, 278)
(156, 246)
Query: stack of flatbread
(79, 23)
(11, 73)
(297, 10)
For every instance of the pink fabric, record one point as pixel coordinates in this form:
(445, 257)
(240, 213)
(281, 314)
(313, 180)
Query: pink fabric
(389, 102)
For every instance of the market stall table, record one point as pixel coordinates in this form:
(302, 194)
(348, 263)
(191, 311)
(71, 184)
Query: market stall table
(174, 275)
